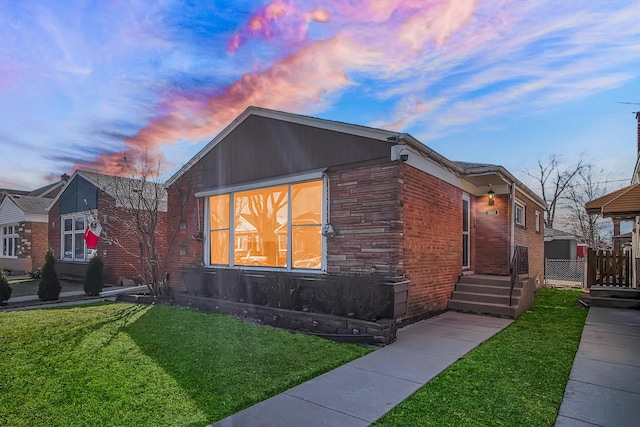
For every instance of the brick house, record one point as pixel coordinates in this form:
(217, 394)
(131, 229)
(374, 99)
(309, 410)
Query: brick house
(90, 198)
(353, 200)
(23, 227)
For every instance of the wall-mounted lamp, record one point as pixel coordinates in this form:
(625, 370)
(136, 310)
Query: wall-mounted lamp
(328, 231)
(491, 195)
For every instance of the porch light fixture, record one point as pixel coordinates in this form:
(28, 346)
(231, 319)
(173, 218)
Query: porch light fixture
(491, 194)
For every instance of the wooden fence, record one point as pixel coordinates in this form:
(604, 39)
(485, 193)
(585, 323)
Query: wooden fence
(608, 268)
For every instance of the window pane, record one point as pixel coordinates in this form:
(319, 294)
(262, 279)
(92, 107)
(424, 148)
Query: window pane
(68, 224)
(79, 223)
(260, 217)
(465, 215)
(220, 247)
(306, 203)
(79, 246)
(307, 246)
(219, 212)
(68, 246)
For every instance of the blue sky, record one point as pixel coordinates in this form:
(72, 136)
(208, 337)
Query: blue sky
(506, 82)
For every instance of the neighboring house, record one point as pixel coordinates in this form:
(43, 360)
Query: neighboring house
(624, 205)
(361, 200)
(559, 244)
(89, 199)
(23, 227)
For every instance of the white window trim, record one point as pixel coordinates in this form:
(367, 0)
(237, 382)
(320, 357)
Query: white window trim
(538, 228)
(13, 236)
(72, 216)
(301, 178)
(523, 206)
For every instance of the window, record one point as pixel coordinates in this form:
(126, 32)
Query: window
(10, 241)
(519, 213)
(537, 222)
(73, 245)
(279, 226)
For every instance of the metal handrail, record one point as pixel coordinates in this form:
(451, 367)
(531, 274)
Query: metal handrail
(519, 265)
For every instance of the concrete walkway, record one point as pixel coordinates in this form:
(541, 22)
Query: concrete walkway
(108, 295)
(362, 391)
(604, 385)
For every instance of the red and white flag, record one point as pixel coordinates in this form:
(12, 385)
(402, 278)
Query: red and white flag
(91, 236)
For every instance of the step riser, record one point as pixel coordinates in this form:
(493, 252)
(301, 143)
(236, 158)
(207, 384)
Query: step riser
(483, 298)
(503, 281)
(631, 294)
(484, 289)
(482, 308)
(615, 302)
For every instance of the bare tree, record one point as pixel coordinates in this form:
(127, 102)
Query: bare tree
(587, 186)
(137, 205)
(554, 181)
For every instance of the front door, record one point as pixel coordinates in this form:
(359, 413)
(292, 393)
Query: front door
(466, 230)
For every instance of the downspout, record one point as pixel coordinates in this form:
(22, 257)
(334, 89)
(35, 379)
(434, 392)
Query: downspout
(512, 220)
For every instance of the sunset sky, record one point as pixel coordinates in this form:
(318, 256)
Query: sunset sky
(507, 82)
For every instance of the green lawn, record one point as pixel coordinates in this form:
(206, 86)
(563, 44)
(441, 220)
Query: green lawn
(133, 365)
(516, 378)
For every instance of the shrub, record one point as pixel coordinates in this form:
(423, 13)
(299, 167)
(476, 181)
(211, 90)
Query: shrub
(49, 287)
(94, 277)
(36, 274)
(5, 288)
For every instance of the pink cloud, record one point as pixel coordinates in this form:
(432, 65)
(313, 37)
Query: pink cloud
(280, 19)
(286, 86)
(437, 23)
(304, 79)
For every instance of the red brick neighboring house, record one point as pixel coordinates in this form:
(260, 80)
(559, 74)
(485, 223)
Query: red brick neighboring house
(86, 199)
(380, 201)
(23, 227)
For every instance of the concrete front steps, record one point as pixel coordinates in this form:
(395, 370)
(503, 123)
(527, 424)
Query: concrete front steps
(614, 296)
(485, 294)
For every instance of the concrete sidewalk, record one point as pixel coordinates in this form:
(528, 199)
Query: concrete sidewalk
(604, 385)
(362, 391)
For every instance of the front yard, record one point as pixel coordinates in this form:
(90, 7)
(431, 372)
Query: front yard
(516, 378)
(121, 364)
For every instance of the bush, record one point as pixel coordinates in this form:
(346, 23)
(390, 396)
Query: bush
(5, 288)
(94, 277)
(49, 287)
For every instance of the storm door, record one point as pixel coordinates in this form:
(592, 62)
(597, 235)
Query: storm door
(466, 229)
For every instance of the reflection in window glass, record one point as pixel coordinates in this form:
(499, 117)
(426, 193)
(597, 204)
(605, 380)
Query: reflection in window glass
(306, 225)
(260, 217)
(262, 235)
(219, 224)
(68, 246)
(68, 224)
(79, 246)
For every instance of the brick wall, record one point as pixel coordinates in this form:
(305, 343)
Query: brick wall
(432, 213)
(492, 236)
(532, 239)
(119, 245)
(54, 229)
(366, 214)
(38, 236)
(184, 209)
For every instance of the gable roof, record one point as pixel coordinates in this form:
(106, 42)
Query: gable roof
(30, 205)
(621, 203)
(364, 131)
(118, 187)
(47, 190)
(555, 234)
(465, 170)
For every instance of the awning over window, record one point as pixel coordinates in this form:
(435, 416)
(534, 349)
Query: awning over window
(624, 203)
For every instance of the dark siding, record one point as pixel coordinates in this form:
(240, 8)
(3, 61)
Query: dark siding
(560, 249)
(263, 148)
(74, 196)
